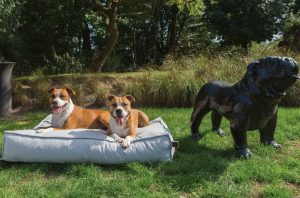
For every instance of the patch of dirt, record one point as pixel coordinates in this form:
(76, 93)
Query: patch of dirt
(257, 189)
(292, 146)
(295, 144)
(293, 187)
(26, 179)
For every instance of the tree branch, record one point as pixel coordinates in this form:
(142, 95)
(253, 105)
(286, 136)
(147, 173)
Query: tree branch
(132, 14)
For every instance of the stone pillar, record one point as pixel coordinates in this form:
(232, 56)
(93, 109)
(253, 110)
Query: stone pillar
(5, 88)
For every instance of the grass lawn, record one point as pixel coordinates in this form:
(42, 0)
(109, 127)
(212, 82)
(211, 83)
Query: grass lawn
(207, 168)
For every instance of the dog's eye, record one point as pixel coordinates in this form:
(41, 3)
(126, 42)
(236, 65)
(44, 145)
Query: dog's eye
(114, 105)
(124, 104)
(62, 96)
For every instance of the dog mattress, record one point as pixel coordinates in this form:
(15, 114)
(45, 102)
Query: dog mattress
(152, 144)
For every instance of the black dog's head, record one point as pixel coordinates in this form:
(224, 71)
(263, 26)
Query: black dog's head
(273, 75)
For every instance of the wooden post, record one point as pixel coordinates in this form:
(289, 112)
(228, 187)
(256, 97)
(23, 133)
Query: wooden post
(5, 88)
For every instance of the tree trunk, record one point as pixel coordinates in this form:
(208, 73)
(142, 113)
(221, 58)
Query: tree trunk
(133, 48)
(86, 42)
(113, 33)
(173, 29)
(296, 41)
(5, 88)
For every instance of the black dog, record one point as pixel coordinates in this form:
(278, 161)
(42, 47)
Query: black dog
(250, 104)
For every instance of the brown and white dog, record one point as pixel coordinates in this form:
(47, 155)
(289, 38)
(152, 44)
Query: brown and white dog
(66, 115)
(124, 121)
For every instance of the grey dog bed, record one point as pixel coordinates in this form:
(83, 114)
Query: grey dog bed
(152, 144)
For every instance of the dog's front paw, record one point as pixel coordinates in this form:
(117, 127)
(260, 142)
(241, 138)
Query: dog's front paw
(126, 143)
(117, 138)
(220, 132)
(196, 136)
(244, 153)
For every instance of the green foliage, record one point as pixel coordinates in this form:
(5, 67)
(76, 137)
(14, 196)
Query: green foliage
(62, 64)
(291, 25)
(48, 25)
(296, 7)
(149, 31)
(175, 88)
(193, 7)
(241, 22)
(9, 23)
(207, 168)
(113, 63)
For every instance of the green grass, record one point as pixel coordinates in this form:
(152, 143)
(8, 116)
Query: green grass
(207, 168)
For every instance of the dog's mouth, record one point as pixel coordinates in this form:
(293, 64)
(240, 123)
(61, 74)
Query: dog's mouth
(294, 76)
(275, 92)
(120, 120)
(57, 109)
(277, 88)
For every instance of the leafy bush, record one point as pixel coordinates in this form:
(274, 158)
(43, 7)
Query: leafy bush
(65, 63)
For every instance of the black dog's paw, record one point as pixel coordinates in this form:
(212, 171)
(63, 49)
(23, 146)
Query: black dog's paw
(220, 132)
(244, 153)
(274, 144)
(196, 136)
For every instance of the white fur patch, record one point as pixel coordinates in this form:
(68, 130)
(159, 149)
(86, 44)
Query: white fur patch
(117, 138)
(58, 100)
(58, 119)
(120, 107)
(126, 142)
(121, 131)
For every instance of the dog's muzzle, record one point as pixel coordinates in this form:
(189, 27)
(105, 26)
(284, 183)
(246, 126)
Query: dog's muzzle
(58, 109)
(295, 76)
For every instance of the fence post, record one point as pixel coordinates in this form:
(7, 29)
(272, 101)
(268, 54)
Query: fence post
(5, 88)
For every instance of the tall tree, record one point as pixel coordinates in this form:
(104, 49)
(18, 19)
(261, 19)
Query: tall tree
(49, 29)
(9, 23)
(166, 24)
(108, 11)
(239, 22)
(291, 32)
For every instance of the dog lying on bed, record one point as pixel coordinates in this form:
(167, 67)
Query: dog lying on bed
(124, 120)
(66, 115)
(250, 104)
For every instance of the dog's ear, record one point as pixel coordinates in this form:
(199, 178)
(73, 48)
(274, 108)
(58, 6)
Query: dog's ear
(252, 68)
(51, 89)
(130, 98)
(70, 91)
(109, 98)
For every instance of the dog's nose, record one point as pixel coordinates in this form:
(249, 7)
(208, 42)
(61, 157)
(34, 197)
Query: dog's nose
(118, 111)
(54, 102)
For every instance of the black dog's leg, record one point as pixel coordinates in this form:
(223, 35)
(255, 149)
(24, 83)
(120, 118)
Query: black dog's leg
(216, 119)
(200, 110)
(267, 133)
(239, 134)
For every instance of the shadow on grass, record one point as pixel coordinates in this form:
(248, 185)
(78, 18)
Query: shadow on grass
(195, 164)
